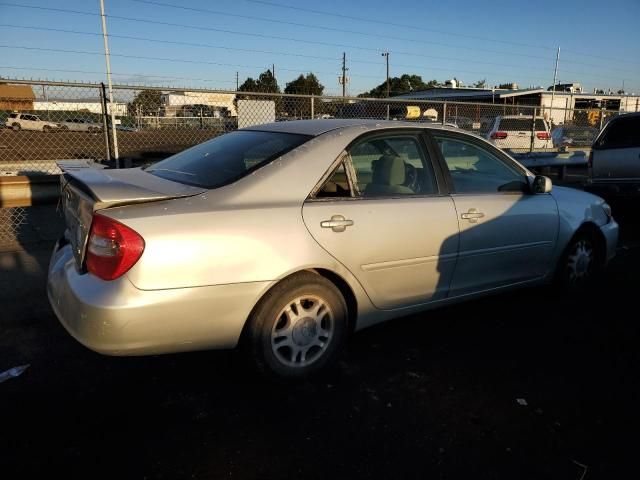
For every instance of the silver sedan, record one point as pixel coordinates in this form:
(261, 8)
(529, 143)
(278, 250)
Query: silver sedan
(287, 237)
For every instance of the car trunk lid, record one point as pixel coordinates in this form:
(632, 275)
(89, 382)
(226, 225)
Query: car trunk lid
(86, 189)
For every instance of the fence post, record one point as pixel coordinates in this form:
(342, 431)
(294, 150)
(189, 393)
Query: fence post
(533, 129)
(105, 123)
(444, 113)
(313, 106)
(601, 118)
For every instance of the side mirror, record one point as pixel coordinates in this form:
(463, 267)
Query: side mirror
(541, 184)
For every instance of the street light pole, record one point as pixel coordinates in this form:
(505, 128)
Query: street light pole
(553, 90)
(111, 105)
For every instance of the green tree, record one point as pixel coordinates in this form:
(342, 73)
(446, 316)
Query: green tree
(305, 85)
(266, 83)
(301, 107)
(399, 85)
(146, 102)
(249, 85)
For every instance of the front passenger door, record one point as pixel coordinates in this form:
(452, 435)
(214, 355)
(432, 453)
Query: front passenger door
(507, 234)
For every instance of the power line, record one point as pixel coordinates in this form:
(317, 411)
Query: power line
(414, 27)
(204, 62)
(333, 29)
(317, 57)
(120, 74)
(173, 42)
(393, 24)
(164, 59)
(275, 37)
(207, 45)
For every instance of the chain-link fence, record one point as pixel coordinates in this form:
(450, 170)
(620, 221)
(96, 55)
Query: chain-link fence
(50, 121)
(11, 221)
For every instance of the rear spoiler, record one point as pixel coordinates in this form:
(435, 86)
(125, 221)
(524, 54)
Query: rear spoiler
(110, 187)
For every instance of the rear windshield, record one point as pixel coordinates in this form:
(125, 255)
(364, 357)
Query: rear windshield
(521, 124)
(227, 158)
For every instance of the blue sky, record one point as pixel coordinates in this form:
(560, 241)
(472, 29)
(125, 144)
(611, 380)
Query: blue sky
(497, 41)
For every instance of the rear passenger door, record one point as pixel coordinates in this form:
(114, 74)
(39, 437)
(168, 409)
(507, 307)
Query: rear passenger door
(507, 234)
(616, 155)
(382, 214)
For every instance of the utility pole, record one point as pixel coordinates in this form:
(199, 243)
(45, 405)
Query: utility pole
(553, 90)
(344, 72)
(386, 54)
(273, 70)
(237, 82)
(111, 104)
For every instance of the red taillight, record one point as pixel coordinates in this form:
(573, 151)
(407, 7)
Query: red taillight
(543, 135)
(499, 135)
(113, 248)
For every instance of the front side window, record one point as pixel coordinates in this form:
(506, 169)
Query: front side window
(226, 158)
(474, 169)
(393, 165)
(622, 133)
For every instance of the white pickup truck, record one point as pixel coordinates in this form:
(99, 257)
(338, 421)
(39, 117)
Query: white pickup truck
(27, 121)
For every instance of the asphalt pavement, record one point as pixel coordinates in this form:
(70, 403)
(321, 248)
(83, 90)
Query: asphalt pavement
(530, 384)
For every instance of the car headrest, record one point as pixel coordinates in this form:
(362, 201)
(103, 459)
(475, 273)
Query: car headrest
(388, 170)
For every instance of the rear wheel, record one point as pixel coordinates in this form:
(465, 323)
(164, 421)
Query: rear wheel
(16, 127)
(46, 128)
(580, 265)
(299, 327)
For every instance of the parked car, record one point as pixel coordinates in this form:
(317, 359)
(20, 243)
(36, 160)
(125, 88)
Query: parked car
(285, 237)
(614, 161)
(202, 110)
(81, 125)
(460, 122)
(573, 136)
(514, 132)
(27, 121)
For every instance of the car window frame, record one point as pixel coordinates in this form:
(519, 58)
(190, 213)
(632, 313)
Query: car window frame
(482, 144)
(354, 194)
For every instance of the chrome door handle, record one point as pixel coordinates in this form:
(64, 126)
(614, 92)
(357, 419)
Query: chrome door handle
(337, 223)
(472, 215)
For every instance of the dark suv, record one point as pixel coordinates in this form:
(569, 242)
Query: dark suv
(614, 162)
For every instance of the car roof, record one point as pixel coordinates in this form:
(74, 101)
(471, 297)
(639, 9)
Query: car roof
(320, 126)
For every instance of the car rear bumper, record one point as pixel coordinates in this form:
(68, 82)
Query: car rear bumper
(116, 318)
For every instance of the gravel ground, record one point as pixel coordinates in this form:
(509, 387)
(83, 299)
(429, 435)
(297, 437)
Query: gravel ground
(522, 385)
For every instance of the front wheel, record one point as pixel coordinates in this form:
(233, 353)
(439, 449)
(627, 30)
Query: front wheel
(580, 265)
(16, 127)
(46, 128)
(299, 327)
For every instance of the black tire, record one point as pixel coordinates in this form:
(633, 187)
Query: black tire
(16, 127)
(46, 128)
(294, 345)
(581, 264)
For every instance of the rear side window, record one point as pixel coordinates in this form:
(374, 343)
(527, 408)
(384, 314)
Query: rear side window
(622, 133)
(521, 124)
(227, 158)
(13, 115)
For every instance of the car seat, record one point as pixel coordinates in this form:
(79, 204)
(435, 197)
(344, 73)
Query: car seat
(388, 176)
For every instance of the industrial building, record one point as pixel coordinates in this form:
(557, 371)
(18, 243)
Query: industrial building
(565, 102)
